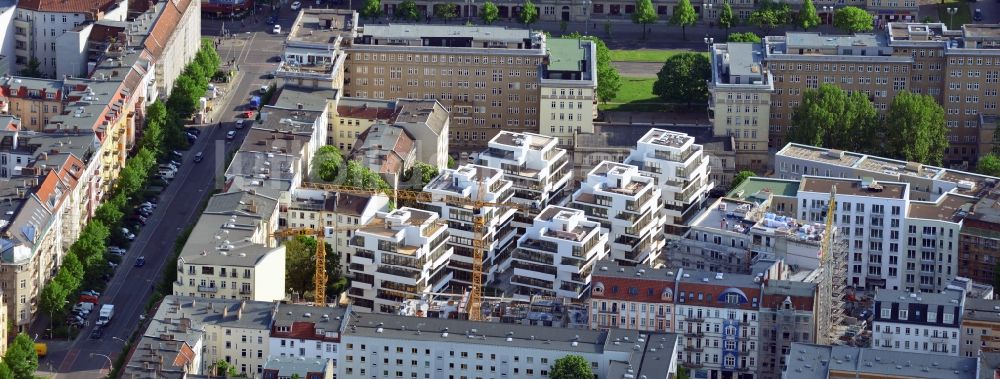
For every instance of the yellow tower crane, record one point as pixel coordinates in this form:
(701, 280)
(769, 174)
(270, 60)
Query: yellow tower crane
(827, 244)
(478, 227)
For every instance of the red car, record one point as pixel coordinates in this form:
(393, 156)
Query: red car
(248, 114)
(88, 299)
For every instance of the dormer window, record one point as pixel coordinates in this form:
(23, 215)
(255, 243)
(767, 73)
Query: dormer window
(599, 288)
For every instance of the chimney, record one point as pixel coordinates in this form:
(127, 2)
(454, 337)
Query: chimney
(225, 311)
(239, 311)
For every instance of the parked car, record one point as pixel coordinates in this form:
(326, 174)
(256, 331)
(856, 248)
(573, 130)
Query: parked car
(978, 15)
(113, 265)
(97, 333)
(265, 87)
(239, 124)
(296, 5)
(141, 261)
(199, 157)
(276, 29)
(116, 251)
(140, 219)
(128, 235)
(272, 20)
(148, 204)
(88, 299)
(90, 293)
(193, 130)
(175, 163)
(248, 114)
(231, 135)
(177, 154)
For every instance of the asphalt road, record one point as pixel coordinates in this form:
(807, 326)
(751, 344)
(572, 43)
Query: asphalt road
(130, 288)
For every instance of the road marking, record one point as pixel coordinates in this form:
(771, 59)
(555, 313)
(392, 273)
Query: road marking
(68, 361)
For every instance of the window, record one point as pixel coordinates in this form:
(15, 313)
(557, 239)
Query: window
(903, 314)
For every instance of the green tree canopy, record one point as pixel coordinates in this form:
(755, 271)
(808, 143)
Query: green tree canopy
(372, 9)
(5, 371)
(770, 15)
(571, 367)
(529, 13)
(446, 11)
(109, 212)
(740, 177)
(73, 268)
(421, 172)
(32, 68)
(21, 357)
(608, 79)
(644, 15)
(183, 99)
(915, 129)
(989, 164)
(300, 265)
(807, 18)
(407, 10)
(223, 368)
(684, 15)
(327, 163)
(853, 20)
(743, 37)
(53, 298)
(489, 13)
(829, 117)
(726, 17)
(684, 79)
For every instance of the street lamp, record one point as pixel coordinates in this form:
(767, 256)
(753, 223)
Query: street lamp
(708, 43)
(951, 14)
(111, 366)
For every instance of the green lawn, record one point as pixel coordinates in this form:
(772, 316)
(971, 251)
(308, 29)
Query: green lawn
(636, 94)
(648, 55)
(962, 17)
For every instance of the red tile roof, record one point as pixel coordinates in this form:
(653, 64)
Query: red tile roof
(370, 113)
(649, 290)
(68, 6)
(302, 331)
(165, 26)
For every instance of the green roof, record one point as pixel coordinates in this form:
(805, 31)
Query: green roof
(565, 54)
(753, 185)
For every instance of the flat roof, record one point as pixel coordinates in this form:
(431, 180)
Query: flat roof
(417, 31)
(808, 361)
(566, 54)
(745, 59)
(663, 137)
(312, 99)
(946, 298)
(949, 207)
(514, 139)
(323, 25)
(982, 310)
(730, 220)
(796, 40)
(756, 185)
(852, 187)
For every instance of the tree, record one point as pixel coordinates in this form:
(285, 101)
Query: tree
(726, 16)
(451, 162)
(684, 15)
(21, 357)
(109, 212)
(422, 172)
(300, 264)
(74, 270)
(770, 15)
(53, 299)
(529, 13)
(407, 10)
(571, 367)
(184, 98)
(5, 372)
(740, 177)
(743, 37)
(608, 79)
(327, 163)
(223, 368)
(853, 20)
(915, 129)
(807, 16)
(372, 9)
(32, 68)
(831, 118)
(489, 13)
(644, 15)
(446, 11)
(989, 164)
(152, 133)
(684, 79)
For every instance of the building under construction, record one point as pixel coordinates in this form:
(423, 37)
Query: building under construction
(538, 310)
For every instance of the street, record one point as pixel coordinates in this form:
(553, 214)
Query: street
(130, 288)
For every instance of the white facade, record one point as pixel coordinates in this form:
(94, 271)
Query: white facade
(680, 168)
(400, 256)
(473, 182)
(557, 254)
(37, 32)
(918, 322)
(315, 334)
(180, 48)
(628, 206)
(7, 38)
(71, 55)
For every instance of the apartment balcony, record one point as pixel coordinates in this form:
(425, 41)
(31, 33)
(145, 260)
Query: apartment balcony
(361, 285)
(696, 334)
(212, 289)
(409, 276)
(694, 319)
(692, 365)
(245, 291)
(694, 348)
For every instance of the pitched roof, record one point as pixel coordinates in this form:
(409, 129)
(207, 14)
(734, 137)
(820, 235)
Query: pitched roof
(68, 6)
(165, 26)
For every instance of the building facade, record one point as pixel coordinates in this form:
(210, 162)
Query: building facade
(556, 256)
(933, 318)
(739, 101)
(612, 305)
(305, 333)
(39, 23)
(980, 327)
(568, 80)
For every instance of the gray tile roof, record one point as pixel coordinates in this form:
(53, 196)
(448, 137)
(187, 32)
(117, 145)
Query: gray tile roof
(807, 361)
(947, 297)
(311, 99)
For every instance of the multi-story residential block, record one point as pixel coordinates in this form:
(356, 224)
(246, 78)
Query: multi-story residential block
(956, 67)
(629, 208)
(739, 101)
(38, 25)
(980, 327)
(355, 115)
(231, 253)
(539, 170)
(819, 361)
(313, 57)
(188, 335)
(557, 254)
(429, 124)
(32, 100)
(789, 313)
(335, 212)
(924, 206)
(487, 77)
(300, 111)
(614, 306)
(496, 237)
(401, 255)
(174, 39)
(387, 150)
(472, 349)
(680, 170)
(284, 367)
(305, 333)
(979, 240)
(918, 322)
(569, 80)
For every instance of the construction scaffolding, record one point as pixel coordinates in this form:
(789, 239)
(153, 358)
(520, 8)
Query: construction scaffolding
(833, 281)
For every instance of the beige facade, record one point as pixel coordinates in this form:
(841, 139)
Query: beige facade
(487, 78)
(32, 100)
(739, 101)
(568, 89)
(353, 116)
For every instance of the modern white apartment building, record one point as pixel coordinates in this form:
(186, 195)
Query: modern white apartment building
(902, 219)
(557, 254)
(628, 206)
(539, 171)
(231, 253)
(305, 332)
(335, 212)
(568, 88)
(739, 101)
(419, 347)
(399, 256)
(497, 238)
(918, 322)
(680, 169)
